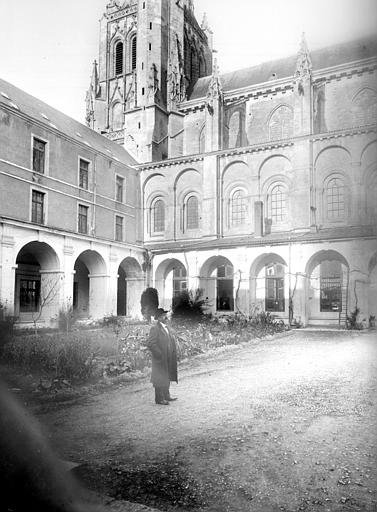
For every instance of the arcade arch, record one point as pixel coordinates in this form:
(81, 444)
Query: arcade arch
(217, 283)
(90, 285)
(130, 287)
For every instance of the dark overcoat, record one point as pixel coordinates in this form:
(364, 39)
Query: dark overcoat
(164, 356)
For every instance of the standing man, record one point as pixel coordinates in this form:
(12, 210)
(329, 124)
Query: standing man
(161, 343)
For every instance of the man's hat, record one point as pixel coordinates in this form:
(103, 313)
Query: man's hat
(159, 312)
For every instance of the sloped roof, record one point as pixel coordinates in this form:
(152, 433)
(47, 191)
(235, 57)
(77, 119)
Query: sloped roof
(285, 67)
(19, 100)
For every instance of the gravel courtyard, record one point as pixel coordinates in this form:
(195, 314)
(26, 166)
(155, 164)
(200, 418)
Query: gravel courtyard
(285, 424)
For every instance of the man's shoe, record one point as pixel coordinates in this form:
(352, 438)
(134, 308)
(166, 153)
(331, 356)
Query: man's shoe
(172, 398)
(163, 402)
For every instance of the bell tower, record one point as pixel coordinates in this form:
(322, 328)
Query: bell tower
(151, 53)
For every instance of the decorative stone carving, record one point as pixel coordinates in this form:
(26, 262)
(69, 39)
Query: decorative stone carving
(153, 83)
(215, 90)
(176, 76)
(304, 66)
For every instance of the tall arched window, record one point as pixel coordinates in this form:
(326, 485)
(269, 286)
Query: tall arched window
(335, 204)
(118, 58)
(117, 116)
(278, 204)
(238, 208)
(281, 123)
(133, 53)
(192, 213)
(158, 216)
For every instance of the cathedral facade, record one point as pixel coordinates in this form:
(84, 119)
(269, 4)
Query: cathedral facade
(258, 186)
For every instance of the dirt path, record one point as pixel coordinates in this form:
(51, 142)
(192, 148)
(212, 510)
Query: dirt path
(289, 424)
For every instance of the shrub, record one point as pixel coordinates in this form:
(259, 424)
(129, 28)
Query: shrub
(71, 357)
(6, 326)
(149, 303)
(66, 318)
(189, 305)
(351, 321)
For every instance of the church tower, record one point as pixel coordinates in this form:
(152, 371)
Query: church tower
(151, 54)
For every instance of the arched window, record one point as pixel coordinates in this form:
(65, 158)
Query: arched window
(158, 216)
(238, 208)
(118, 58)
(281, 123)
(133, 53)
(192, 213)
(277, 204)
(335, 204)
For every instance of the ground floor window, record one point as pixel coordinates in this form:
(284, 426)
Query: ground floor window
(29, 295)
(330, 294)
(224, 296)
(330, 286)
(275, 294)
(275, 288)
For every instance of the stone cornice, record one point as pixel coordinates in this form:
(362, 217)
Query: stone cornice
(266, 146)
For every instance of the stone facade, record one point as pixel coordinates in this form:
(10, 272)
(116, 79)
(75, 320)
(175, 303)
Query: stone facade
(69, 227)
(257, 186)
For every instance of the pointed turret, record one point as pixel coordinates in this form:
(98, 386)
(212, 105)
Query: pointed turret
(304, 66)
(207, 30)
(214, 113)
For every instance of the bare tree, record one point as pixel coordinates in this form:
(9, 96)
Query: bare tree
(49, 291)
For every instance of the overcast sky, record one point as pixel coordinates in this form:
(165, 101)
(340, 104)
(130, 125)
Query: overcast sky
(47, 46)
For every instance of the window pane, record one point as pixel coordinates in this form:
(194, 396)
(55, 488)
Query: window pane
(192, 213)
(83, 219)
(29, 295)
(335, 199)
(158, 212)
(133, 53)
(84, 174)
(37, 203)
(39, 150)
(119, 189)
(278, 209)
(238, 208)
(275, 294)
(118, 228)
(119, 58)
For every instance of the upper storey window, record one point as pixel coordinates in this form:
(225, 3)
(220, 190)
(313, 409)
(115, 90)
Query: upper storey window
(278, 204)
(335, 199)
(238, 208)
(119, 58)
(39, 155)
(133, 53)
(192, 213)
(281, 123)
(158, 216)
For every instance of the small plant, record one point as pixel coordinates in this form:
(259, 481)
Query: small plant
(352, 323)
(190, 305)
(372, 321)
(66, 318)
(149, 303)
(6, 325)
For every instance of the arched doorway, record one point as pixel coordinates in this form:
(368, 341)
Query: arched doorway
(90, 286)
(130, 288)
(268, 284)
(170, 281)
(38, 283)
(217, 282)
(327, 289)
